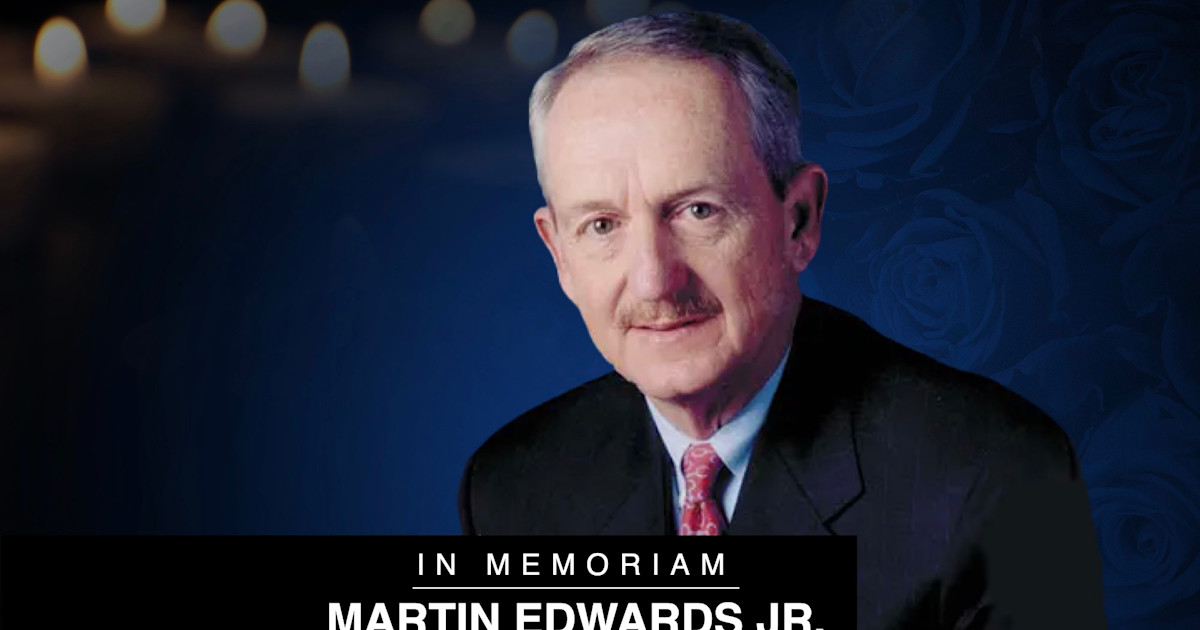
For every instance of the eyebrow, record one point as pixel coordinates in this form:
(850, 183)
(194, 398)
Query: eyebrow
(577, 209)
(666, 202)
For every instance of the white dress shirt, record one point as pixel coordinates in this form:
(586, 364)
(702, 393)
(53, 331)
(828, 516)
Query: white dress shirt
(732, 442)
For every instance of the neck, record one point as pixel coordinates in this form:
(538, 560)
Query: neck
(699, 415)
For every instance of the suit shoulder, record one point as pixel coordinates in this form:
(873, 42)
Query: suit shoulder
(513, 482)
(975, 420)
(1005, 431)
(554, 426)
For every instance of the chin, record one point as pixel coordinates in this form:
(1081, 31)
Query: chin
(671, 380)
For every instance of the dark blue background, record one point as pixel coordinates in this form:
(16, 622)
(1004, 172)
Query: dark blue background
(307, 325)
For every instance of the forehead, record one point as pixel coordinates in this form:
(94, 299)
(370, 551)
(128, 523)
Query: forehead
(665, 122)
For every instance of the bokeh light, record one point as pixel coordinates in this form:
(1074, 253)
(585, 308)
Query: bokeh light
(59, 55)
(237, 28)
(135, 17)
(325, 59)
(447, 22)
(605, 12)
(533, 39)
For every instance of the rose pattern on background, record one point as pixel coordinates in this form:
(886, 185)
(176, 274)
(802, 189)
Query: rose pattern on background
(951, 276)
(1164, 264)
(911, 84)
(1123, 136)
(1079, 379)
(1142, 466)
(1160, 279)
(1016, 192)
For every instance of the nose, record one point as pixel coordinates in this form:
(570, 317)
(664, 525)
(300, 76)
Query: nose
(657, 272)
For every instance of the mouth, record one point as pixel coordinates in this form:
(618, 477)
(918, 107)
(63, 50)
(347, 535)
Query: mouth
(675, 324)
(659, 327)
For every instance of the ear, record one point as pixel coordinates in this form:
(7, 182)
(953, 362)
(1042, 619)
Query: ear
(805, 205)
(547, 228)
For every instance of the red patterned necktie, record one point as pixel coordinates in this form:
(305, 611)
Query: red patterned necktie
(701, 515)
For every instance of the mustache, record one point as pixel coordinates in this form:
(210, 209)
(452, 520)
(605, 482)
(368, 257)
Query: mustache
(658, 312)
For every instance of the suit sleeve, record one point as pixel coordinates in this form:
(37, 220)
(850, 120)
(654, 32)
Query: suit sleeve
(1029, 558)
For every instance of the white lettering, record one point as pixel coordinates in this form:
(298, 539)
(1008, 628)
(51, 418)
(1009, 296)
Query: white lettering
(593, 557)
(380, 620)
(690, 608)
(442, 608)
(589, 621)
(526, 614)
(722, 615)
(664, 614)
(490, 620)
(412, 615)
(497, 568)
(566, 568)
(791, 620)
(632, 619)
(715, 568)
(565, 609)
(351, 619)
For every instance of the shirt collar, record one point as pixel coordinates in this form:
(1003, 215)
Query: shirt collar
(733, 441)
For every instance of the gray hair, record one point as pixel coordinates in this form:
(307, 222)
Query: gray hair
(762, 74)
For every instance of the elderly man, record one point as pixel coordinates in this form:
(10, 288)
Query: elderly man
(679, 214)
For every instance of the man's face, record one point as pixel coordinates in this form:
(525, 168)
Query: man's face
(664, 226)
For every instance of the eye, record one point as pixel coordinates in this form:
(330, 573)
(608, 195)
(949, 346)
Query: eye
(701, 210)
(601, 226)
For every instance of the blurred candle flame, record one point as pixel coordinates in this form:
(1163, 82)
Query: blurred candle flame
(325, 59)
(237, 28)
(447, 22)
(532, 39)
(135, 17)
(59, 55)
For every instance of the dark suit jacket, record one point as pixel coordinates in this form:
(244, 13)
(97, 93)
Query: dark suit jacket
(966, 499)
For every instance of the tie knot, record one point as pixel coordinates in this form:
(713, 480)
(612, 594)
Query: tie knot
(700, 467)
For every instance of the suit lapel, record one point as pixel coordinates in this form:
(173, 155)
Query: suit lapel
(804, 471)
(628, 497)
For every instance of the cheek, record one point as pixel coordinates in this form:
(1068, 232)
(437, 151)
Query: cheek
(752, 284)
(596, 293)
